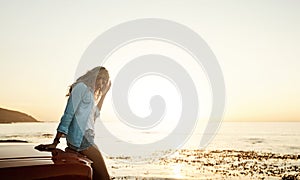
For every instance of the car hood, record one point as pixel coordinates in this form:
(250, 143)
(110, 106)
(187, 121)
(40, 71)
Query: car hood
(19, 154)
(22, 161)
(16, 155)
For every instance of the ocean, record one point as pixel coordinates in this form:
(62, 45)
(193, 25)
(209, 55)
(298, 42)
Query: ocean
(260, 143)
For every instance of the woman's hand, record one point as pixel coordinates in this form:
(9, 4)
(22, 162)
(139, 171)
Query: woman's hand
(103, 93)
(46, 147)
(106, 88)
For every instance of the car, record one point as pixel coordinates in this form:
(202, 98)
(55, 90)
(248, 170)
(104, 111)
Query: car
(23, 161)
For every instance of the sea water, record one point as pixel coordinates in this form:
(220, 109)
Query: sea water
(277, 137)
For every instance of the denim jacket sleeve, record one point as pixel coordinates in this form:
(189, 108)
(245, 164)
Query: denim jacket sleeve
(71, 107)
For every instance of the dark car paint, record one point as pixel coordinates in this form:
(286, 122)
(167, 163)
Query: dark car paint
(22, 161)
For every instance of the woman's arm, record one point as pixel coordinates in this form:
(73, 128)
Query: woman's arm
(106, 89)
(99, 105)
(57, 137)
(71, 107)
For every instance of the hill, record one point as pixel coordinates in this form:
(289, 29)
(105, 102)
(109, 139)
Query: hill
(9, 116)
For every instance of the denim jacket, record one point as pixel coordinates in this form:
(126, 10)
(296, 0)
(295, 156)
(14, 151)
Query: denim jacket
(74, 120)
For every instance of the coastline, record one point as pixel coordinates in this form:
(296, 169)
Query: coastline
(205, 164)
(11, 116)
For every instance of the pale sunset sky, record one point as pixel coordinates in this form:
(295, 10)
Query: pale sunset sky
(257, 44)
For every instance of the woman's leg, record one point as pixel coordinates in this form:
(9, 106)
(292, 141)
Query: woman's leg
(98, 165)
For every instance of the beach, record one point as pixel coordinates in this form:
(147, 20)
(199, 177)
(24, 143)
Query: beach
(203, 164)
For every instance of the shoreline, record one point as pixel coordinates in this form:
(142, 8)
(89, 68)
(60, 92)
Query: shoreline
(198, 164)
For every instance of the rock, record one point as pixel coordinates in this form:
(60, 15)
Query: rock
(9, 116)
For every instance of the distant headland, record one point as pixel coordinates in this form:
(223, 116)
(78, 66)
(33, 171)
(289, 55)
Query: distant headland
(10, 116)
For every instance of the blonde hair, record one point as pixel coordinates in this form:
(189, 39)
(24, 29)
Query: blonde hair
(89, 78)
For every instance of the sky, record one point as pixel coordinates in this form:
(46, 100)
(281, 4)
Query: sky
(256, 42)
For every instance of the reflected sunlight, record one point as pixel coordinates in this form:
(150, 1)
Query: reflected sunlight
(177, 170)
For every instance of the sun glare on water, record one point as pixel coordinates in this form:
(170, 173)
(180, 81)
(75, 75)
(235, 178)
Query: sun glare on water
(177, 170)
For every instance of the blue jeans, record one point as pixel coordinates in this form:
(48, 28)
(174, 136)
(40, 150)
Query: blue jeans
(87, 141)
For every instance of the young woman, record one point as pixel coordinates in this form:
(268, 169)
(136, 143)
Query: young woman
(86, 97)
